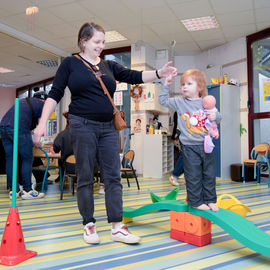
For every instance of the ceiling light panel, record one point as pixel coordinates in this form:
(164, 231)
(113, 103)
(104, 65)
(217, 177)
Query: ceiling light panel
(5, 70)
(203, 23)
(113, 36)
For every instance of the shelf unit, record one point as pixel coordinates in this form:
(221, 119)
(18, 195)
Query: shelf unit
(158, 156)
(153, 153)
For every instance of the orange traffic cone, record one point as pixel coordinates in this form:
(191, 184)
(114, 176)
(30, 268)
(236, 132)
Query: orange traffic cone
(12, 249)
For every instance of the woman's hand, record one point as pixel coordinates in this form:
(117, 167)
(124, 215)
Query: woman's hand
(40, 130)
(167, 70)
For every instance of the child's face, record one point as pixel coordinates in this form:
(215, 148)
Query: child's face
(190, 88)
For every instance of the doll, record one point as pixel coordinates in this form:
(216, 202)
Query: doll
(209, 103)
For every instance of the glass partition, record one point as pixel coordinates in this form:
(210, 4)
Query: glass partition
(261, 75)
(122, 96)
(258, 60)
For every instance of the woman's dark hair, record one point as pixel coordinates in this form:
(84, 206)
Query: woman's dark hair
(87, 31)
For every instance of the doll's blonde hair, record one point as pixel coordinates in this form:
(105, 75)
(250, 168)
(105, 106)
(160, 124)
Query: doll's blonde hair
(198, 77)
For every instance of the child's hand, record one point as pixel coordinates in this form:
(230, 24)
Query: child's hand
(212, 116)
(168, 80)
(202, 117)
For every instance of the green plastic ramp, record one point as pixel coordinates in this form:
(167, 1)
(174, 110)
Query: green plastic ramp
(180, 206)
(239, 228)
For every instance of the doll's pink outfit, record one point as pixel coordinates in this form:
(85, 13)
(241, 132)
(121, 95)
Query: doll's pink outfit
(209, 103)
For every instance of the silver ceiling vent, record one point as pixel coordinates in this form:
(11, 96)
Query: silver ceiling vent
(48, 63)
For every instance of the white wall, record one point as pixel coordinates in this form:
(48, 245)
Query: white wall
(7, 97)
(232, 59)
(182, 63)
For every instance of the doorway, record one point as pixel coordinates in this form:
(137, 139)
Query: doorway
(258, 60)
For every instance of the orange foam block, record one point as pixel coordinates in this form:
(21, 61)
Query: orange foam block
(192, 224)
(191, 239)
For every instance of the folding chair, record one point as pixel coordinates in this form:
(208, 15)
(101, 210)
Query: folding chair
(40, 152)
(127, 166)
(69, 160)
(259, 158)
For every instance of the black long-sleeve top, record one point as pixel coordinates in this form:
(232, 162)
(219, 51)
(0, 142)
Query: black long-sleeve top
(87, 96)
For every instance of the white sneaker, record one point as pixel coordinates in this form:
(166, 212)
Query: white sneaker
(21, 188)
(90, 235)
(122, 234)
(34, 184)
(101, 190)
(18, 194)
(174, 181)
(182, 175)
(31, 195)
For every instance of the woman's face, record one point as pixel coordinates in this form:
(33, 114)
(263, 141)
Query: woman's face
(95, 44)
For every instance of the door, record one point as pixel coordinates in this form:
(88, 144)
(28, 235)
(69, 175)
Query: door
(258, 52)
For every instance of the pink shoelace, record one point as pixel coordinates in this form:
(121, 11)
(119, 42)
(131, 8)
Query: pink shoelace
(91, 229)
(121, 229)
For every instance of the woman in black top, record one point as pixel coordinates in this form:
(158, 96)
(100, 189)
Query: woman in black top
(91, 126)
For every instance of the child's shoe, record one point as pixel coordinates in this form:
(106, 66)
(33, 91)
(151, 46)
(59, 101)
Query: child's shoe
(174, 181)
(101, 190)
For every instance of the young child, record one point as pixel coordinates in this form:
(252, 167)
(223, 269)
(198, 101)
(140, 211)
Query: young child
(199, 166)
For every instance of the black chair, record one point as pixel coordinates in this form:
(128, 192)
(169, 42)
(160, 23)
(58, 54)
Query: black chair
(69, 172)
(41, 153)
(127, 167)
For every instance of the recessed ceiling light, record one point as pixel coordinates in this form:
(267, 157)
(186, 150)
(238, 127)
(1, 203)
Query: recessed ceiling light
(6, 85)
(48, 63)
(203, 23)
(113, 36)
(5, 70)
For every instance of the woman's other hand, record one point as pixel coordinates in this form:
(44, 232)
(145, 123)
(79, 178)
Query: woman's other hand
(168, 70)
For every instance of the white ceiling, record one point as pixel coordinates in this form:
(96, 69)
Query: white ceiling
(156, 22)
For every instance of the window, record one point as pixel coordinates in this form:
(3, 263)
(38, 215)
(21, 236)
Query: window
(123, 57)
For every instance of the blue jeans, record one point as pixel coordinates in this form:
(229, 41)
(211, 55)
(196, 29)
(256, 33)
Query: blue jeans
(90, 139)
(179, 166)
(25, 149)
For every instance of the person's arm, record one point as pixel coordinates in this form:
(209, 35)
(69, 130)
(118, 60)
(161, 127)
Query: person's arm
(41, 129)
(218, 117)
(166, 71)
(165, 100)
(214, 115)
